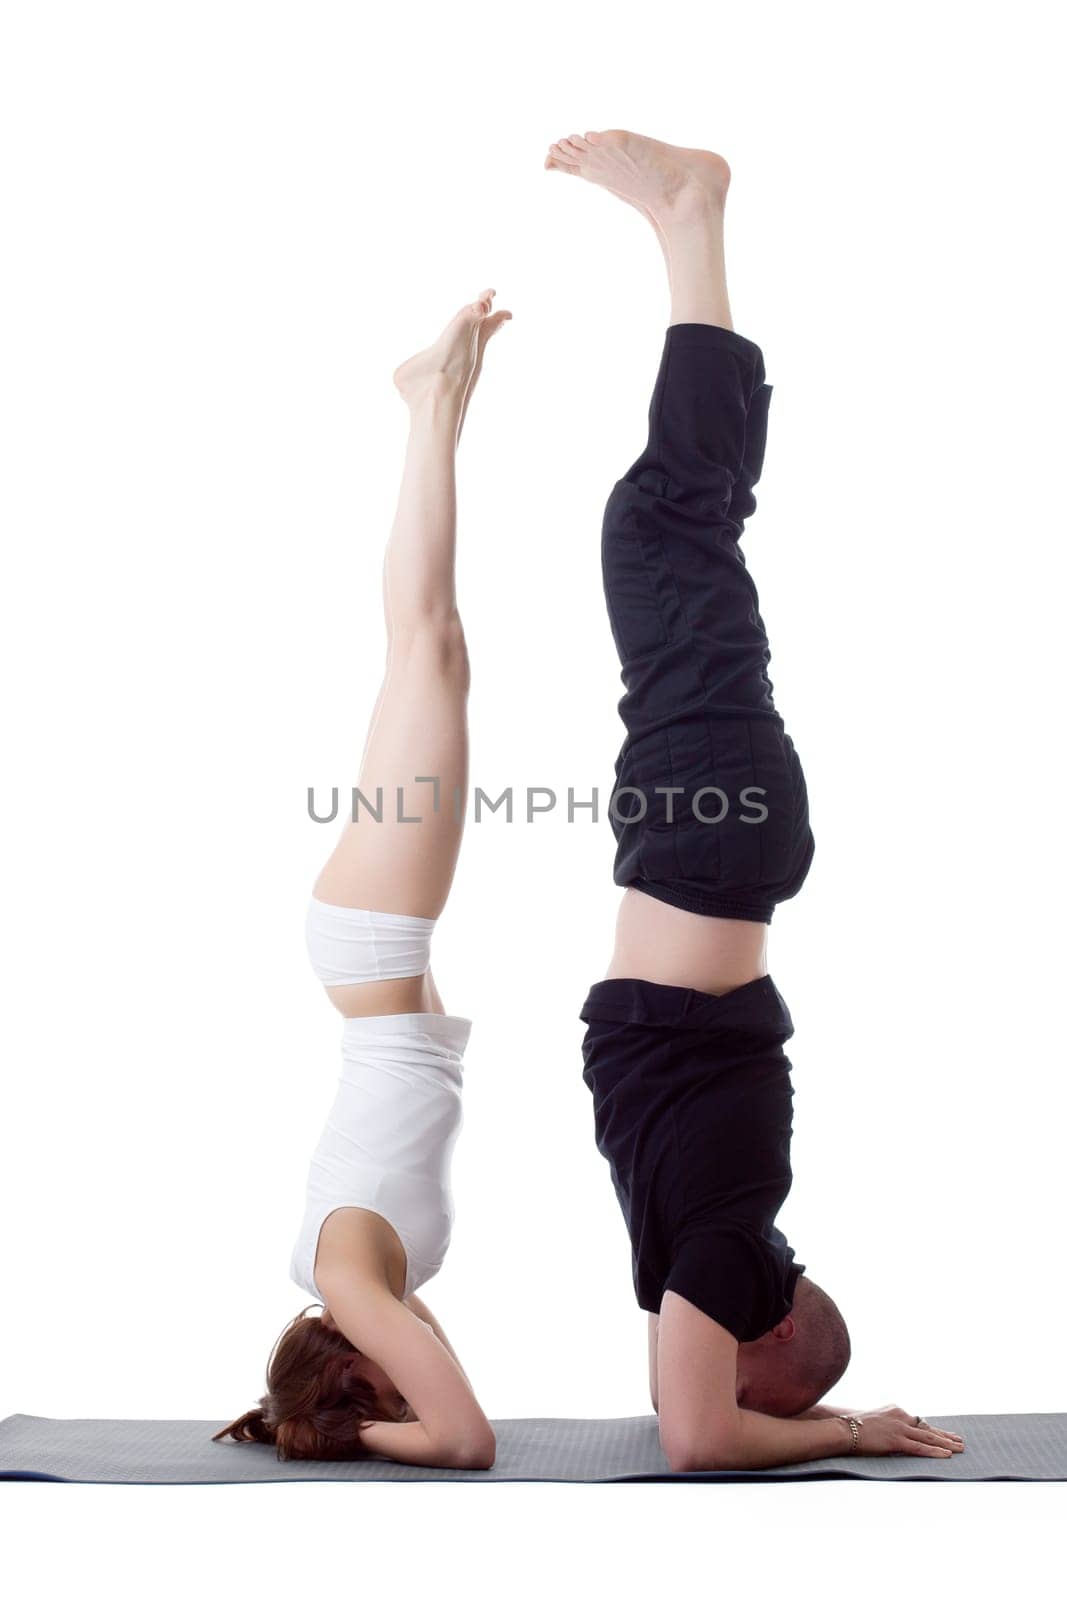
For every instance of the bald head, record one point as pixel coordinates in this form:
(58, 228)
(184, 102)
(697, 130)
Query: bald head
(797, 1362)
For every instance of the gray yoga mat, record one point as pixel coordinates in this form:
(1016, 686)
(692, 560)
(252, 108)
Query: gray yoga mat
(540, 1449)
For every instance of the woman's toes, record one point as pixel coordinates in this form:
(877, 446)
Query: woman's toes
(475, 310)
(567, 160)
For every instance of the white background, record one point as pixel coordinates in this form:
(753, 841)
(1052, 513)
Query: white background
(226, 225)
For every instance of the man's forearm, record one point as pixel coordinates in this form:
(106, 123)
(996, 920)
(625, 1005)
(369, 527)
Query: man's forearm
(763, 1441)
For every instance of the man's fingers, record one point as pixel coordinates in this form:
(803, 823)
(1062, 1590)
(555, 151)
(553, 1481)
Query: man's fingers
(939, 1436)
(933, 1442)
(929, 1427)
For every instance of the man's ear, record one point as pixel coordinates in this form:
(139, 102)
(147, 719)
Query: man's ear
(784, 1330)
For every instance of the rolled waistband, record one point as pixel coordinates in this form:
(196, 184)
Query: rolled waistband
(452, 1031)
(755, 1006)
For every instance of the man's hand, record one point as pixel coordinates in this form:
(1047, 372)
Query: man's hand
(890, 1431)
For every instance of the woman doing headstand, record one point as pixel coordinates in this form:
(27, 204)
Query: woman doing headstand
(375, 1373)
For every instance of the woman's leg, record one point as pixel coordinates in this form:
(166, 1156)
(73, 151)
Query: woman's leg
(414, 761)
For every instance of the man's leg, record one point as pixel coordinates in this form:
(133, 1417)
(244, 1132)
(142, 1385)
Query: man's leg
(694, 655)
(698, 707)
(681, 192)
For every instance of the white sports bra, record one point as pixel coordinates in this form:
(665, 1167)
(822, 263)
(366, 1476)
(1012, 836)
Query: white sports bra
(351, 946)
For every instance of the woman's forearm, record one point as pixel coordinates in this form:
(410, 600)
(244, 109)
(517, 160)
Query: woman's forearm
(412, 1443)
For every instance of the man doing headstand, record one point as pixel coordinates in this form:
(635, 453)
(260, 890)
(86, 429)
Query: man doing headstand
(684, 1041)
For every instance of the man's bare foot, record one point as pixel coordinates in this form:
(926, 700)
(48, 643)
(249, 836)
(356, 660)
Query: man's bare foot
(450, 366)
(672, 186)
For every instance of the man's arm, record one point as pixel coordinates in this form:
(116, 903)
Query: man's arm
(702, 1428)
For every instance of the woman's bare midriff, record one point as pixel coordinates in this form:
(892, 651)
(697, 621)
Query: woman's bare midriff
(661, 944)
(389, 998)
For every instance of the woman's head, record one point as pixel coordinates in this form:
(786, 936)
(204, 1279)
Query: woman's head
(320, 1392)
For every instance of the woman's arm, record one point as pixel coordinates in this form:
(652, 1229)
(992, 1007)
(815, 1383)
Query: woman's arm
(423, 1311)
(452, 1430)
(411, 1443)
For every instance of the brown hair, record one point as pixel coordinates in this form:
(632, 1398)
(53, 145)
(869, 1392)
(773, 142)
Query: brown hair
(316, 1402)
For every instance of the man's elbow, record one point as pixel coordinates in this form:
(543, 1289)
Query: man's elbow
(691, 1452)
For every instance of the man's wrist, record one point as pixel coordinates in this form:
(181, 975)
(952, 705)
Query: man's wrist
(852, 1429)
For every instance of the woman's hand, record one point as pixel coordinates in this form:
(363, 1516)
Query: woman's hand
(890, 1431)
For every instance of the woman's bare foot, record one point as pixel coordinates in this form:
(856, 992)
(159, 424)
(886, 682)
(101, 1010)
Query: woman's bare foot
(670, 184)
(450, 366)
(486, 329)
